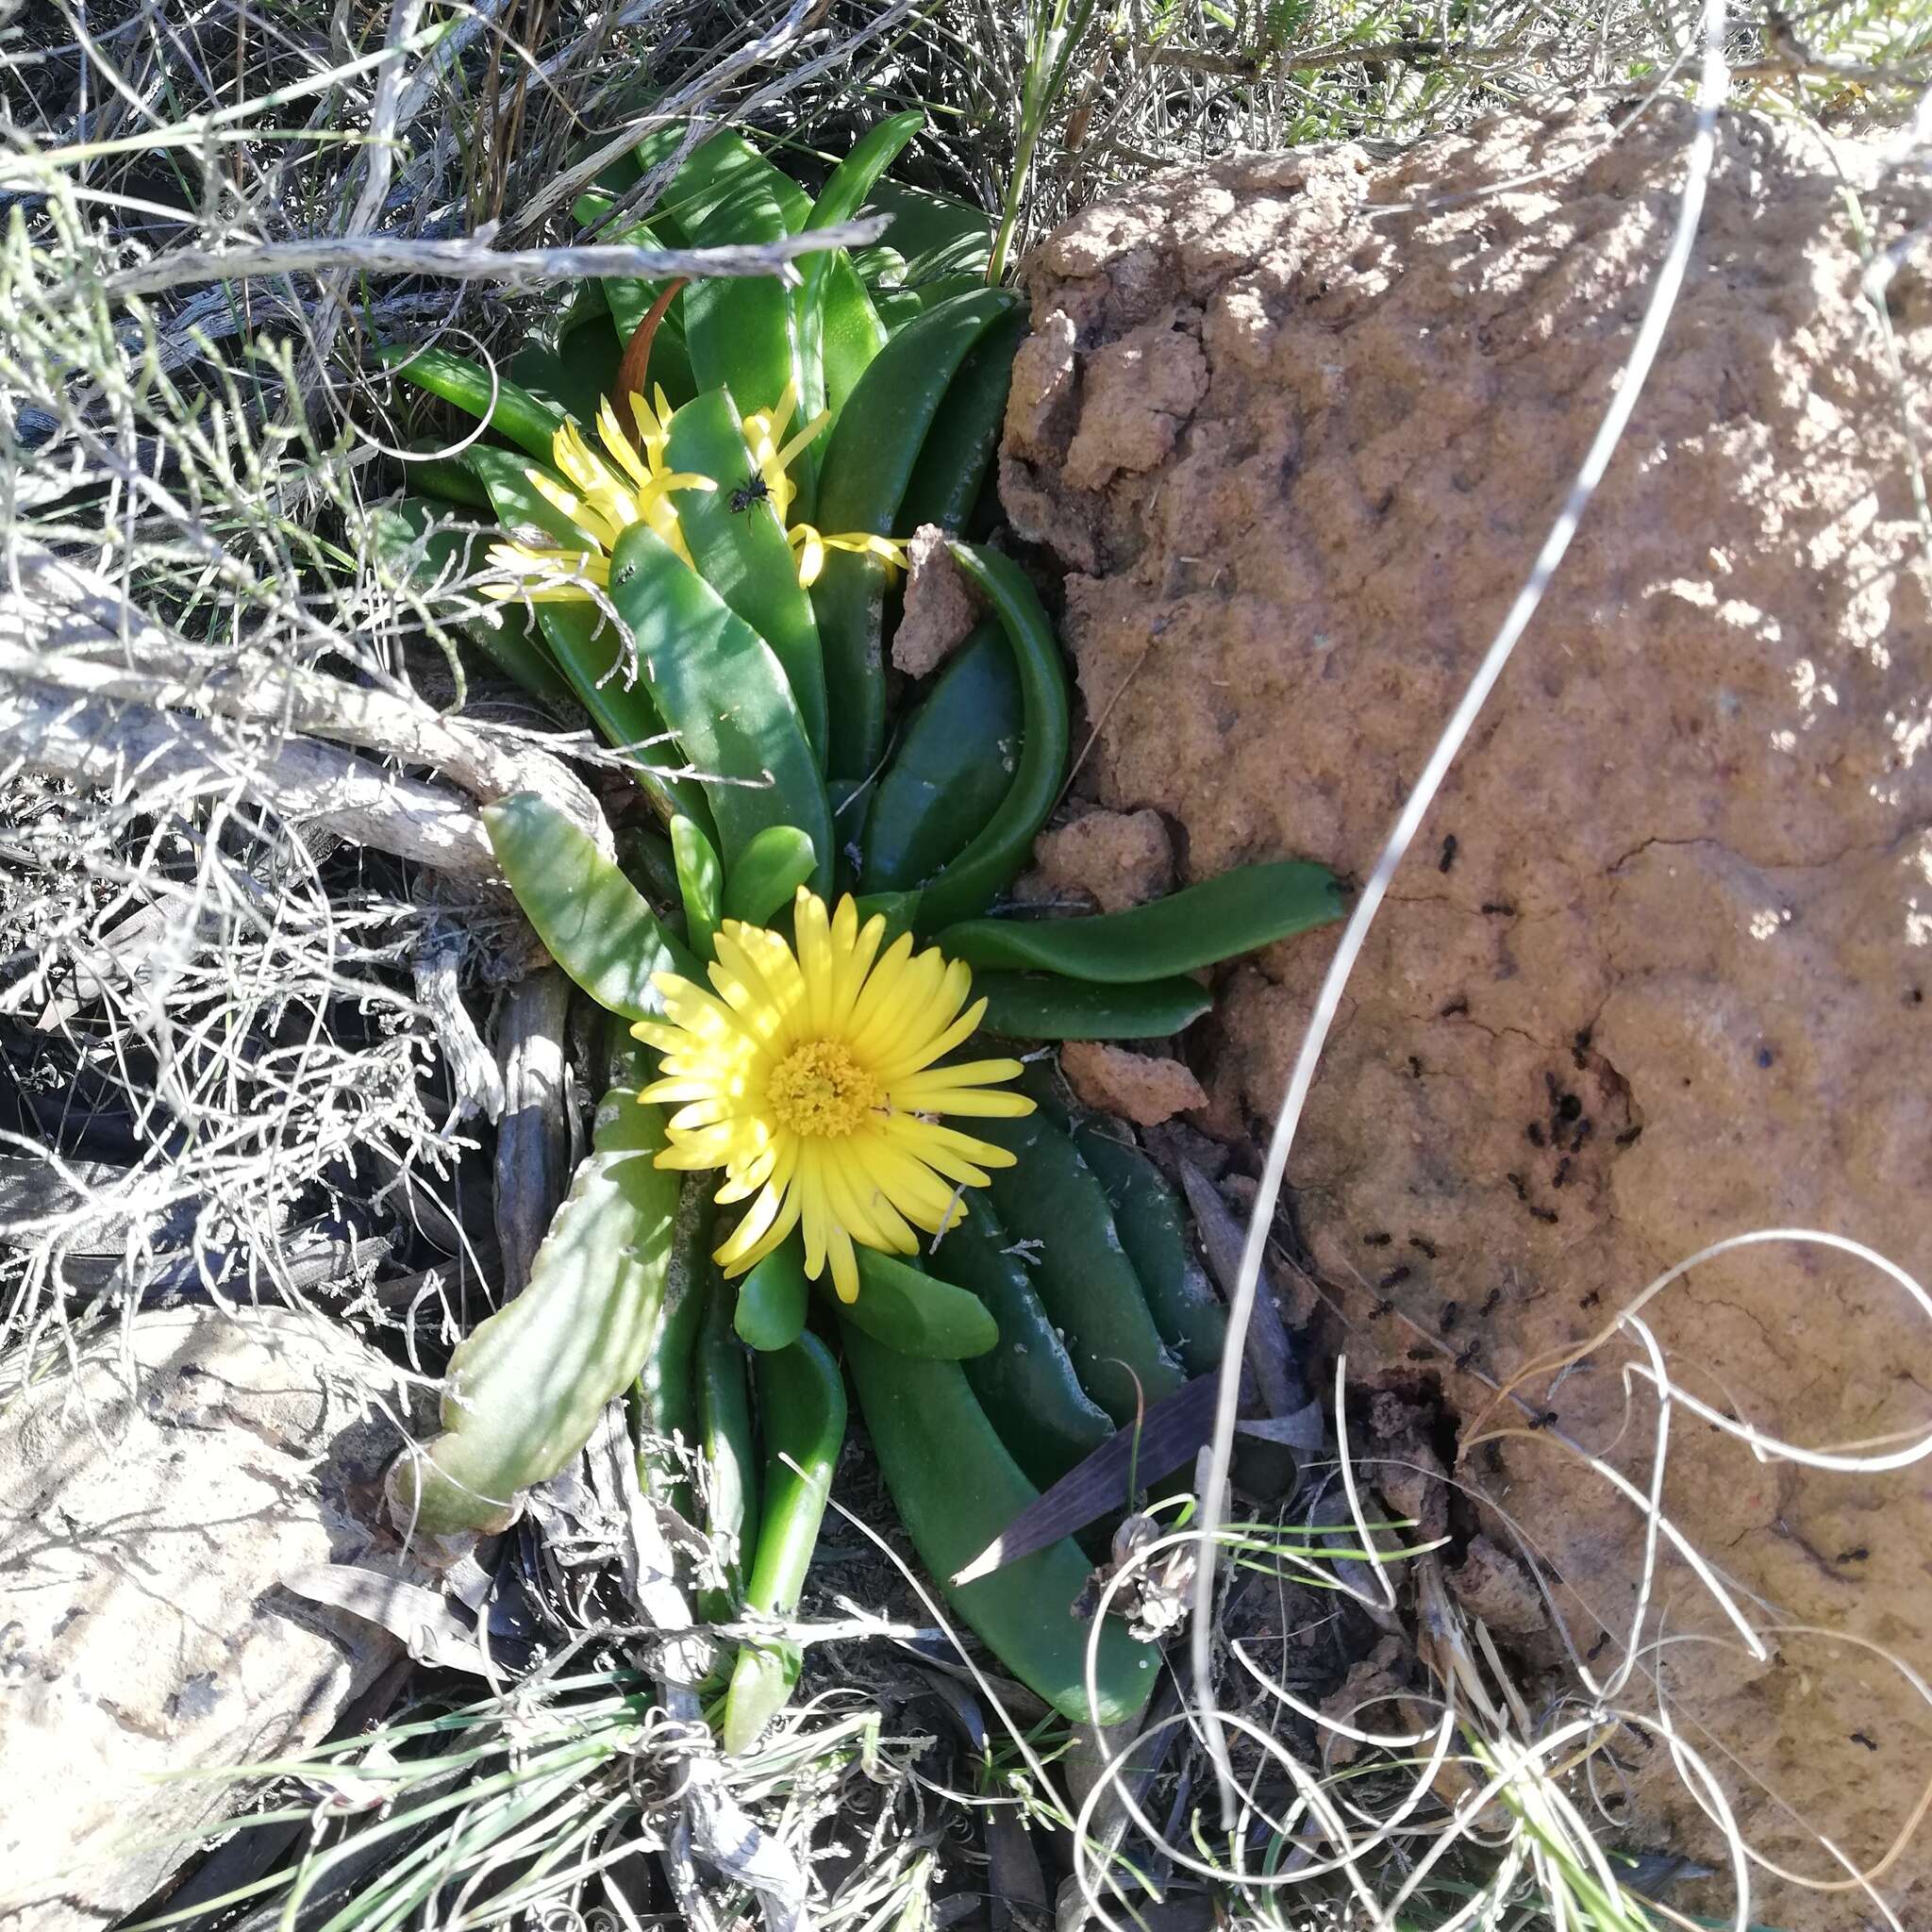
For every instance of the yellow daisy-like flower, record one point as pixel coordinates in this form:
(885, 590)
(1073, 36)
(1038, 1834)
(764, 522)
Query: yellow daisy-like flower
(604, 499)
(812, 1079)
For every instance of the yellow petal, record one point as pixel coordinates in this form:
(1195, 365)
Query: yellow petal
(668, 480)
(946, 1150)
(984, 1103)
(911, 1187)
(913, 1009)
(844, 1269)
(766, 1221)
(817, 963)
(803, 437)
(854, 951)
(934, 1030)
(586, 515)
(853, 1205)
(814, 1214)
(932, 1082)
(610, 432)
(746, 1180)
(881, 987)
(787, 402)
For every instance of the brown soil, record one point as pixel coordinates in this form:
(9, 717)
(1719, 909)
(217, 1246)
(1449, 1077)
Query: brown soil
(1656, 972)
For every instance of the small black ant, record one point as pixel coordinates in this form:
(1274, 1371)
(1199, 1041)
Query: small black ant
(1386, 1306)
(1860, 1738)
(1592, 1299)
(1448, 859)
(1534, 1133)
(1469, 1355)
(1395, 1276)
(1628, 1137)
(1422, 1246)
(1543, 1420)
(1379, 1240)
(1490, 1300)
(1457, 1007)
(754, 490)
(1596, 1649)
(1562, 1173)
(1860, 1554)
(1422, 1355)
(1452, 1313)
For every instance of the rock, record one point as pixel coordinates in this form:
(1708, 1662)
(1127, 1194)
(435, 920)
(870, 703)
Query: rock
(1373, 1697)
(1118, 859)
(1040, 418)
(1175, 1142)
(1135, 1085)
(941, 607)
(1137, 392)
(1400, 1459)
(141, 1539)
(1490, 1584)
(1657, 971)
(1042, 384)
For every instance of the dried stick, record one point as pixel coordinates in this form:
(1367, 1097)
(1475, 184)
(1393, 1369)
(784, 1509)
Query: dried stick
(126, 747)
(533, 1136)
(476, 261)
(477, 1086)
(65, 625)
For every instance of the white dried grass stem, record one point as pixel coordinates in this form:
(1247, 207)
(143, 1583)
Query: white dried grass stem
(475, 259)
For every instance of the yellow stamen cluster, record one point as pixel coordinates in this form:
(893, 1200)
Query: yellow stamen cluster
(809, 1076)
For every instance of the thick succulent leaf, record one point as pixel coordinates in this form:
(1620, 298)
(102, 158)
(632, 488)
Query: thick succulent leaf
(586, 912)
(773, 1300)
(839, 328)
(739, 548)
(587, 648)
(699, 883)
(910, 1311)
(526, 1388)
(1200, 926)
(1043, 1006)
(718, 686)
(767, 873)
(487, 394)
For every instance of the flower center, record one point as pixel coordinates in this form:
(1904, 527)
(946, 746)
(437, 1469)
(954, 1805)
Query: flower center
(819, 1088)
